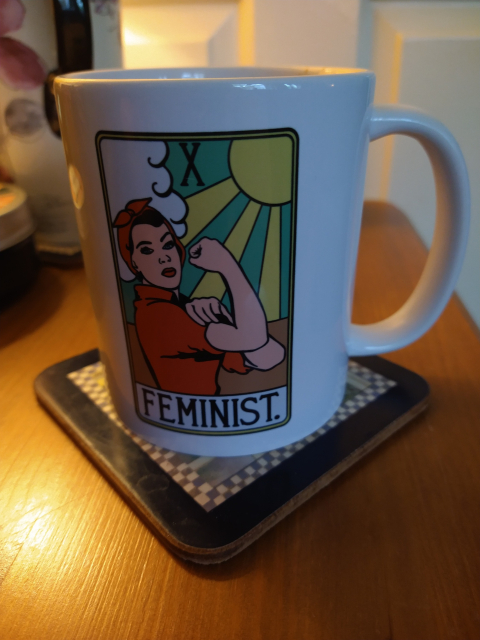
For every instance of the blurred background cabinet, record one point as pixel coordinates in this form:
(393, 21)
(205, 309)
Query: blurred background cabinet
(427, 54)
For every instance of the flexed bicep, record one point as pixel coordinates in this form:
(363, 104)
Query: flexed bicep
(247, 330)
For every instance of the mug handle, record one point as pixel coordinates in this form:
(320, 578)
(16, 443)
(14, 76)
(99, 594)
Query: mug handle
(445, 258)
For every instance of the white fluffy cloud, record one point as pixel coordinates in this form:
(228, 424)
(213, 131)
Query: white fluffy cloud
(135, 169)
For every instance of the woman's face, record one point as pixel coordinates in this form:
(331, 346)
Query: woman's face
(156, 256)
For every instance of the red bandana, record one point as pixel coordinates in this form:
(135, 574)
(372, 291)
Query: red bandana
(123, 222)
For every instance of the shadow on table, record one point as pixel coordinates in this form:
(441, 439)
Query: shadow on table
(24, 314)
(240, 565)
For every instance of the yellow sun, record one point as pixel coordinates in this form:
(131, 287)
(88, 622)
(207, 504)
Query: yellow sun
(255, 206)
(262, 168)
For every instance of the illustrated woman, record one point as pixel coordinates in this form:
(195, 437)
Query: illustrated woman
(186, 342)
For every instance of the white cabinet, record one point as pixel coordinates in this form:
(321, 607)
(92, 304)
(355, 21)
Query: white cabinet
(427, 54)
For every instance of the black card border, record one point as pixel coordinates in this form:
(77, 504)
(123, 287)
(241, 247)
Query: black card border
(205, 136)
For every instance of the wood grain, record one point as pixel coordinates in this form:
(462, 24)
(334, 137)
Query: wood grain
(390, 550)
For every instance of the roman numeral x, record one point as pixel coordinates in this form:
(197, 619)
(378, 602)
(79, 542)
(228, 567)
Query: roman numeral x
(191, 168)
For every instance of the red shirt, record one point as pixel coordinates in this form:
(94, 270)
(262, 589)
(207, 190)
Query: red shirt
(175, 346)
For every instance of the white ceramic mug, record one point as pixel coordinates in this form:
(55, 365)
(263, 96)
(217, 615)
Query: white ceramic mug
(219, 213)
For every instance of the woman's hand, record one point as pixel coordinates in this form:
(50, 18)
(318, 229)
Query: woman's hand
(210, 255)
(207, 310)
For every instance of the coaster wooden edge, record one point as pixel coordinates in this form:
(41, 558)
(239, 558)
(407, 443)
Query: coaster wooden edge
(220, 554)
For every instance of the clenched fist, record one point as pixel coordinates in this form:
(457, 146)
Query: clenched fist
(210, 255)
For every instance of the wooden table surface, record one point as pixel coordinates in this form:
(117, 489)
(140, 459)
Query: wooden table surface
(391, 550)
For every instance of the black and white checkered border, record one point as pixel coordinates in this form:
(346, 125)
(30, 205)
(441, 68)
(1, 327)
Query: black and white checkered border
(377, 384)
(91, 380)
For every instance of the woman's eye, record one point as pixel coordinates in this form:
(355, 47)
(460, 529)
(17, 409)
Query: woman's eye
(169, 245)
(146, 251)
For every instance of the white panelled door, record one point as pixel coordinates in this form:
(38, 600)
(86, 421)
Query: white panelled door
(427, 54)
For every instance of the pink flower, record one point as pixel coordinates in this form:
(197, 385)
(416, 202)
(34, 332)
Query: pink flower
(12, 13)
(20, 66)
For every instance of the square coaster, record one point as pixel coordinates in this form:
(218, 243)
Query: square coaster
(226, 503)
(211, 481)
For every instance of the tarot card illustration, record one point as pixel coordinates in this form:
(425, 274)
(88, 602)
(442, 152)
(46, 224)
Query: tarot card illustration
(203, 237)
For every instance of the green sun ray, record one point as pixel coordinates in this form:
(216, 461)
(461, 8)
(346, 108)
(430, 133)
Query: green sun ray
(252, 258)
(212, 284)
(204, 206)
(269, 292)
(240, 234)
(219, 228)
(129, 295)
(285, 240)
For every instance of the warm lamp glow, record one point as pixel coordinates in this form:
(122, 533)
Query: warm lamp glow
(180, 35)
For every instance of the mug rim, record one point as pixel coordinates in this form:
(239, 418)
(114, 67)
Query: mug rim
(194, 74)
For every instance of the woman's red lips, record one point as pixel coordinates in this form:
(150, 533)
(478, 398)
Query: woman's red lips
(169, 272)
